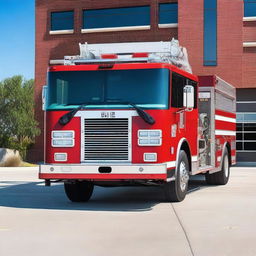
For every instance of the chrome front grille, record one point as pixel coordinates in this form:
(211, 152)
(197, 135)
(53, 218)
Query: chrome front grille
(106, 139)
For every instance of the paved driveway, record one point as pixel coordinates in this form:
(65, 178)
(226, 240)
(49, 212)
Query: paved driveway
(37, 220)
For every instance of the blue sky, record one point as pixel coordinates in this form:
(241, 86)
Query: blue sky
(17, 26)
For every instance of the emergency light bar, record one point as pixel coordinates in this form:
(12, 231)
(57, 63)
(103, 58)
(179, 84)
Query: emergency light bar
(150, 52)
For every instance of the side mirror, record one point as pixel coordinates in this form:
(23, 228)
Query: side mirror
(188, 96)
(44, 97)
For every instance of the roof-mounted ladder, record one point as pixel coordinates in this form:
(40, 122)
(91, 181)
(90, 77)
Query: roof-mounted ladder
(152, 52)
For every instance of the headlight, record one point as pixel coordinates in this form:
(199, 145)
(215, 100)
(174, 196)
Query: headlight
(60, 157)
(62, 134)
(62, 143)
(150, 157)
(150, 137)
(63, 138)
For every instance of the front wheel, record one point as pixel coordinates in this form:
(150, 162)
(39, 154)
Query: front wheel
(221, 177)
(78, 191)
(175, 191)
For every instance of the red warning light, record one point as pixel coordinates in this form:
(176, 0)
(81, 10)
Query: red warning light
(108, 56)
(140, 55)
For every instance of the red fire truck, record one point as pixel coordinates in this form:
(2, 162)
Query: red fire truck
(123, 114)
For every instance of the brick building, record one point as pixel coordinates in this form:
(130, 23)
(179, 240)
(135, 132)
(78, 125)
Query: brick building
(220, 36)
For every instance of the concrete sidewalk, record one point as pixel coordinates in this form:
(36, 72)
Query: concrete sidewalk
(222, 220)
(19, 173)
(212, 221)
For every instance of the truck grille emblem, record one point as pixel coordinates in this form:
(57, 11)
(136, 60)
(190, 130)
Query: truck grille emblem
(108, 115)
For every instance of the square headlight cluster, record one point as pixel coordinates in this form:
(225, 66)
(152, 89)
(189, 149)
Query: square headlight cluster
(63, 139)
(150, 137)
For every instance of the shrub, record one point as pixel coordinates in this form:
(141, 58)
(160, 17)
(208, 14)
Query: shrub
(18, 126)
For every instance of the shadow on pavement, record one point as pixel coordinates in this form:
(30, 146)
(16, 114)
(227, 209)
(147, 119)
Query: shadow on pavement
(197, 182)
(35, 196)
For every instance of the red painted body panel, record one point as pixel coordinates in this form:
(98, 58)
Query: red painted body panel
(223, 125)
(224, 113)
(123, 66)
(222, 139)
(164, 119)
(74, 153)
(163, 154)
(102, 176)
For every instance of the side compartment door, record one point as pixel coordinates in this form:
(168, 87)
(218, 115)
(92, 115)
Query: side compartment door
(206, 127)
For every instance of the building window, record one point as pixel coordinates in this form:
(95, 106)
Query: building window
(246, 132)
(168, 15)
(249, 8)
(116, 19)
(210, 32)
(62, 22)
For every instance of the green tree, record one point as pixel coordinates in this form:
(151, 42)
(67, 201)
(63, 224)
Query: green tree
(18, 126)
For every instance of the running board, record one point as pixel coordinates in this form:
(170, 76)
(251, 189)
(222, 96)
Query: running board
(208, 168)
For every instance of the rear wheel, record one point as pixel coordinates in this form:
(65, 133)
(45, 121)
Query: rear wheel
(175, 191)
(221, 177)
(78, 191)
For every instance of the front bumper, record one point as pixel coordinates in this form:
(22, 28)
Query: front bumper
(118, 172)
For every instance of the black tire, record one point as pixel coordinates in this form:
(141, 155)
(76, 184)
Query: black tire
(221, 177)
(175, 191)
(78, 191)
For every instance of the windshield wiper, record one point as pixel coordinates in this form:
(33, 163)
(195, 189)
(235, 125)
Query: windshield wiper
(143, 114)
(66, 118)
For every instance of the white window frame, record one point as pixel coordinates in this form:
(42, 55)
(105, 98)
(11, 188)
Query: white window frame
(61, 32)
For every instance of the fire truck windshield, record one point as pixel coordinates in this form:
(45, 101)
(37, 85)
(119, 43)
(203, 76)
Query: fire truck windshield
(147, 88)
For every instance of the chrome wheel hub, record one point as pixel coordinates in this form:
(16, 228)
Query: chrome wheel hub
(184, 177)
(226, 166)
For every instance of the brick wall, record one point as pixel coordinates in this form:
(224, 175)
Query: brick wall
(249, 55)
(229, 38)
